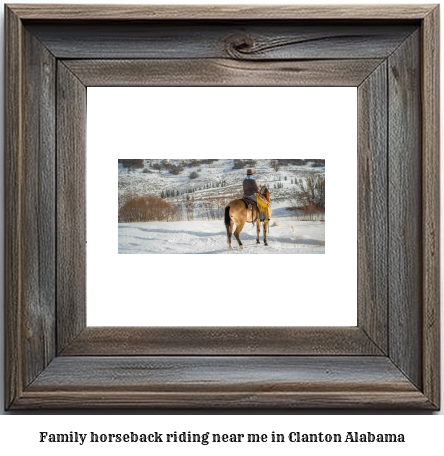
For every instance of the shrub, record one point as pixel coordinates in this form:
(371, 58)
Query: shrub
(208, 161)
(132, 163)
(147, 171)
(194, 175)
(239, 164)
(311, 213)
(146, 208)
(318, 163)
(275, 165)
(175, 169)
(292, 161)
(166, 165)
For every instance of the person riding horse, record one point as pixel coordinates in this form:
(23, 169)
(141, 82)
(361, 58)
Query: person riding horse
(239, 212)
(251, 188)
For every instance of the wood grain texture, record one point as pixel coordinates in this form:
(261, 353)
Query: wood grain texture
(246, 41)
(71, 206)
(233, 382)
(221, 72)
(221, 341)
(405, 209)
(431, 206)
(30, 208)
(266, 40)
(372, 207)
(220, 12)
(209, 373)
(245, 401)
(39, 230)
(13, 209)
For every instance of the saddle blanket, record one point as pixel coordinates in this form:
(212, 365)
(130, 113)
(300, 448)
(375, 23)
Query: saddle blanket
(263, 205)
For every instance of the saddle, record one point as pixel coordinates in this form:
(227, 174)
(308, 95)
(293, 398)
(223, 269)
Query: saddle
(249, 203)
(261, 206)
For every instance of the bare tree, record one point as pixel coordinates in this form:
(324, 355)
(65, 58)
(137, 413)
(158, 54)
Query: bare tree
(310, 192)
(275, 165)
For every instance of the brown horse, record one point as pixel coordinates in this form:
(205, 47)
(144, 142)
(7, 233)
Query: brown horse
(236, 213)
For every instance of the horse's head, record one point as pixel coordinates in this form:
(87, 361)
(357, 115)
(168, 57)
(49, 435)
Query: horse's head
(265, 192)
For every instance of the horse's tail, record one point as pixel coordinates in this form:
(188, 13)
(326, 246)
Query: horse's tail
(227, 217)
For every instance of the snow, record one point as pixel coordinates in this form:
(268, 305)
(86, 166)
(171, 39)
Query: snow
(287, 235)
(154, 182)
(210, 237)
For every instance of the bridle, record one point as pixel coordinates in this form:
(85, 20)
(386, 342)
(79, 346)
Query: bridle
(265, 192)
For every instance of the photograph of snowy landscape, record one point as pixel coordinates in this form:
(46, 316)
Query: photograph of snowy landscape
(192, 206)
(184, 229)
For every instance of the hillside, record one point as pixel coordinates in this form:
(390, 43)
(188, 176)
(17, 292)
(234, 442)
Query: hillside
(177, 206)
(215, 178)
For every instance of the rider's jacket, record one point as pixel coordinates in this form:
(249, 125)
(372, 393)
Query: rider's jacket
(250, 187)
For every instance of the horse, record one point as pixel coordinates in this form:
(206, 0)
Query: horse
(236, 213)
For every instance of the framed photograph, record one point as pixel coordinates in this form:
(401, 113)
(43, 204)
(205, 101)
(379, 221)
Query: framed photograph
(59, 356)
(197, 208)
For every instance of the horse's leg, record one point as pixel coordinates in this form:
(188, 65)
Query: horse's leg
(258, 226)
(230, 233)
(239, 228)
(266, 222)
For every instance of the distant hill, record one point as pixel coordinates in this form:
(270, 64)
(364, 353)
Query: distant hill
(174, 179)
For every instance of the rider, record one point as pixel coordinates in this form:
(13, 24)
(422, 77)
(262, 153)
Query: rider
(251, 187)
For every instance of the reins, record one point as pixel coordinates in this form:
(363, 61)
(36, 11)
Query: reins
(255, 209)
(269, 204)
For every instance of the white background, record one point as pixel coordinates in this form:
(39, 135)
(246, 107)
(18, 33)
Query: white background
(222, 122)
(20, 433)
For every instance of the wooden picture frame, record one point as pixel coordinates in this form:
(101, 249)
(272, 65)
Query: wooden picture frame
(390, 360)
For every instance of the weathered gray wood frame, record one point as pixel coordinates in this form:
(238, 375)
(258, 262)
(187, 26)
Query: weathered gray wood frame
(391, 359)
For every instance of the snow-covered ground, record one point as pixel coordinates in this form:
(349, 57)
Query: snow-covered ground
(210, 237)
(219, 178)
(211, 176)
